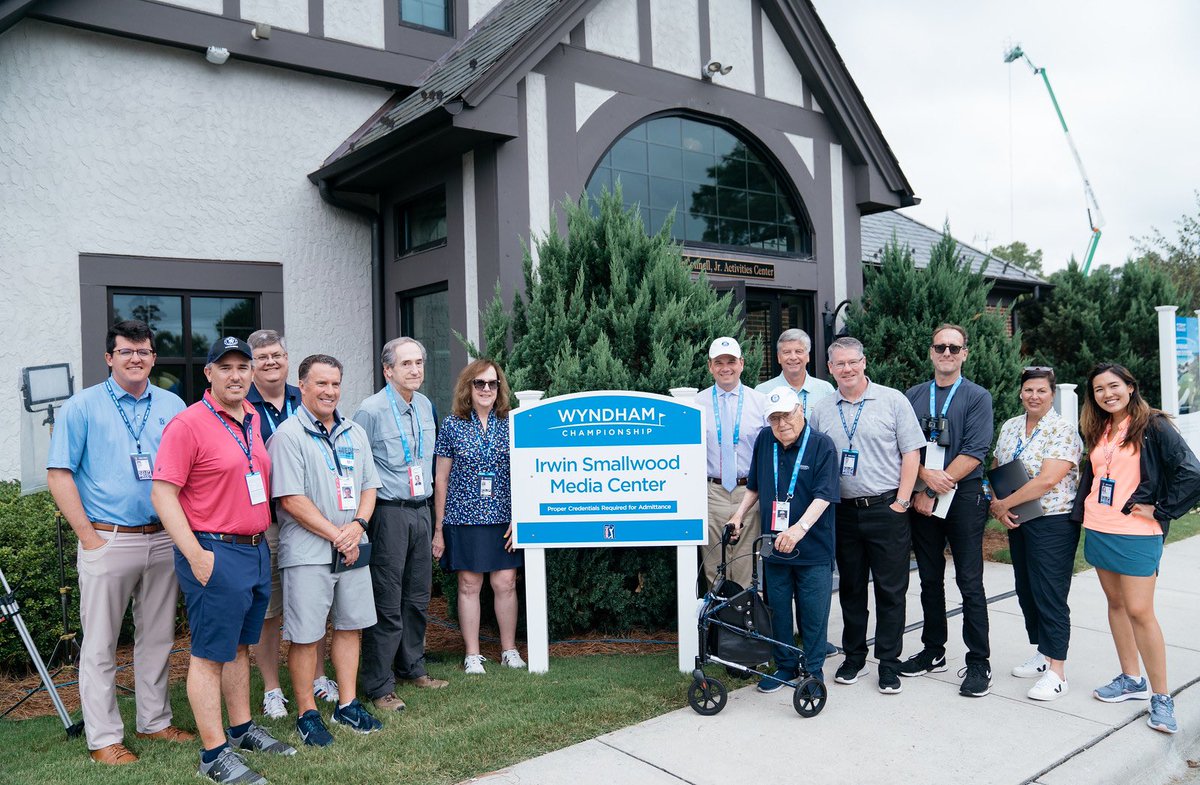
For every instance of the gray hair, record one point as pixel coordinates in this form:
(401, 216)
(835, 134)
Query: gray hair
(388, 357)
(260, 338)
(847, 343)
(794, 334)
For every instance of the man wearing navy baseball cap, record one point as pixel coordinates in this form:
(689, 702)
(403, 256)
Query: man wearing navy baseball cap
(212, 491)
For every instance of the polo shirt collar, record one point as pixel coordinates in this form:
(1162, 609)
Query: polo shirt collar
(246, 406)
(869, 392)
(121, 392)
(312, 424)
(290, 392)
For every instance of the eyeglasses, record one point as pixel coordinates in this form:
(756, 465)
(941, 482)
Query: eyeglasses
(486, 384)
(844, 364)
(275, 357)
(942, 348)
(125, 354)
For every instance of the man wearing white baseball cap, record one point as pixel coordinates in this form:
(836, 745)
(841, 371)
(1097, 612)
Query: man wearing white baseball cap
(734, 416)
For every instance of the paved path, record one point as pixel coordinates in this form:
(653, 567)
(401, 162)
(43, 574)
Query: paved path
(927, 734)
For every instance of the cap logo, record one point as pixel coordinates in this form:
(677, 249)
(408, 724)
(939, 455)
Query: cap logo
(231, 341)
(724, 343)
(775, 398)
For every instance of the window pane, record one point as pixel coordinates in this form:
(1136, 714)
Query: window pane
(698, 166)
(724, 144)
(665, 194)
(629, 155)
(664, 130)
(698, 137)
(427, 318)
(170, 376)
(634, 187)
(217, 317)
(427, 13)
(163, 313)
(666, 161)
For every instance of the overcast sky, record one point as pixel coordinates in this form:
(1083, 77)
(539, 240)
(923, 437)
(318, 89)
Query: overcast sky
(1127, 77)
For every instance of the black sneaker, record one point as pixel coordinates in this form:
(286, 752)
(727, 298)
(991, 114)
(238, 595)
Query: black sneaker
(849, 672)
(889, 682)
(977, 681)
(229, 768)
(924, 661)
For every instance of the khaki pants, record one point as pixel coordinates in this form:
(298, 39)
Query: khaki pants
(721, 506)
(141, 567)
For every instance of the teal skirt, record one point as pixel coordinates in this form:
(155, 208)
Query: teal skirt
(1124, 554)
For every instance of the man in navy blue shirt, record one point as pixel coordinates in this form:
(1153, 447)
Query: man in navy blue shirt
(101, 461)
(794, 470)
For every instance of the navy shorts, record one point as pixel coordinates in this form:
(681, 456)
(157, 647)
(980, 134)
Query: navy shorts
(227, 612)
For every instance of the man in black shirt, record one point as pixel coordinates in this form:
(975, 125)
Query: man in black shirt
(956, 415)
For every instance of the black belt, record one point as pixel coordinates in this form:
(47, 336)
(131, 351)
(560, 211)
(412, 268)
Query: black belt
(412, 504)
(718, 481)
(870, 501)
(236, 539)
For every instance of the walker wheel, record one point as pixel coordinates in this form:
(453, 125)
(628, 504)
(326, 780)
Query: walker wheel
(809, 698)
(706, 696)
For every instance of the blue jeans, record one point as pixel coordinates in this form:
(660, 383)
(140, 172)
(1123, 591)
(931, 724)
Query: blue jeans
(811, 588)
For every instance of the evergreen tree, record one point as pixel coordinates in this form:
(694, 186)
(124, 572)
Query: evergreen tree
(610, 308)
(901, 305)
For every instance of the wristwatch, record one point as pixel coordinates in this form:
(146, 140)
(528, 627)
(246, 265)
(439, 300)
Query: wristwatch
(360, 521)
(905, 503)
(931, 493)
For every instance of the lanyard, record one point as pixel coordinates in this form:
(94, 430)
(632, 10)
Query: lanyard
(484, 438)
(333, 463)
(853, 429)
(945, 406)
(412, 409)
(1111, 447)
(137, 436)
(737, 426)
(804, 402)
(287, 405)
(1021, 447)
(247, 427)
(795, 468)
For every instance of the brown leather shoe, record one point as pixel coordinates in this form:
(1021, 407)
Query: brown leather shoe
(169, 733)
(113, 755)
(389, 702)
(427, 682)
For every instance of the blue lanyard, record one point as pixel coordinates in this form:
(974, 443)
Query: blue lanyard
(1021, 447)
(333, 463)
(408, 458)
(795, 468)
(945, 406)
(804, 403)
(484, 439)
(287, 405)
(247, 425)
(854, 429)
(737, 426)
(137, 436)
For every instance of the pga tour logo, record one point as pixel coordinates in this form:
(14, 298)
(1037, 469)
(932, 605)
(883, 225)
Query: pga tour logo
(610, 531)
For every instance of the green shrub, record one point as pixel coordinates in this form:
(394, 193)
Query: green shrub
(29, 559)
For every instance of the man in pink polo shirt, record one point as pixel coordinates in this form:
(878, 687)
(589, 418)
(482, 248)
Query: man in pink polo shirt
(211, 493)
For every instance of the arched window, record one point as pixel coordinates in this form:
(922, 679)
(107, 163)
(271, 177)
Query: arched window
(723, 191)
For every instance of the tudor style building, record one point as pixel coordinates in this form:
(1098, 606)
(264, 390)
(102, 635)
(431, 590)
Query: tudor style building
(360, 169)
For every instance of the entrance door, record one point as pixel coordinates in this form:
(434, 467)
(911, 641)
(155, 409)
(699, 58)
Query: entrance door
(425, 315)
(768, 313)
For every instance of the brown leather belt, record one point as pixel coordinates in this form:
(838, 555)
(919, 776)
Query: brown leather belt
(149, 528)
(236, 539)
(717, 480)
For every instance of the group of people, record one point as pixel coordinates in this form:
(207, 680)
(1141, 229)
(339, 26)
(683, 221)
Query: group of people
(277, 516)
(862, 475)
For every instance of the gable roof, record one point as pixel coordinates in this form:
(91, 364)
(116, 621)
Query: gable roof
(877, 231)
(517, 34)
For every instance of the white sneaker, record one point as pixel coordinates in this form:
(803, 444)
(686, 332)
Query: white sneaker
(326, 689)
(1048, 688)
(1033, 667)
(512, 659)
(273, 707)
(473, 664)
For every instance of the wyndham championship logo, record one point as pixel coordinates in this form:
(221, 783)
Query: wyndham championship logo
(605, 419)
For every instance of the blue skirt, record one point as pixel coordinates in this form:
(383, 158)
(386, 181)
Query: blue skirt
(1125, 554)
(477, 548)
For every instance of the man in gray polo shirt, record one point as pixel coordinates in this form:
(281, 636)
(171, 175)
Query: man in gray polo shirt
(400, 424)
(324, 477)
(878, 440)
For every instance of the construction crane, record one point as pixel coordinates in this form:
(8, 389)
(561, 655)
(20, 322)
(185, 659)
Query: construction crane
(1095, 217)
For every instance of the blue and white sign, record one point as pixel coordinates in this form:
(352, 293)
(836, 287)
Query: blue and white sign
(608, 468)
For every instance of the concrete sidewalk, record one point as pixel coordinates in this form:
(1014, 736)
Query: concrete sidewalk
(927, 733)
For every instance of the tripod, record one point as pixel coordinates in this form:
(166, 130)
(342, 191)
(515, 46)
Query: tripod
(68, 642)
(9, 609)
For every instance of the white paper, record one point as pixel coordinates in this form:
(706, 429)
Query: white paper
(935, 458)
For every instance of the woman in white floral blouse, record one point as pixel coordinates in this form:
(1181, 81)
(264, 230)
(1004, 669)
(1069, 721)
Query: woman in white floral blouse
(1042, 548)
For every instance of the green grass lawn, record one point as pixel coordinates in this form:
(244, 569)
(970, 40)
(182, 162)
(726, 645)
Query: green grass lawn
(1183, 528)
(476, 725)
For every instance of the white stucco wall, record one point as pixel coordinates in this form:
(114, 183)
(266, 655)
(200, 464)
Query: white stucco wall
(211, 6)
(478, 9)
(357, 21)
(781, 78)
(675, 36)
(285, 14)
(122, 147)
(612, 29)
(731, 37)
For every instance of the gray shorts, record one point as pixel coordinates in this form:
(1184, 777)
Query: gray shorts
(310, 591)
(275, 606)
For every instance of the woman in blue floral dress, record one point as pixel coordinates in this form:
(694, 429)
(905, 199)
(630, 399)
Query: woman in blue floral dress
(472, 523)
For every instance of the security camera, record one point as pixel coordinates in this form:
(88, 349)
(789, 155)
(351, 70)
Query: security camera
(217, 55)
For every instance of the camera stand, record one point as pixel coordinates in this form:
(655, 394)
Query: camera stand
(9, 609)
(67, 646)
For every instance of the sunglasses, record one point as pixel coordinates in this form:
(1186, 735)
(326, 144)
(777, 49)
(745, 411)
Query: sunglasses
(485, 384)
(942, 348)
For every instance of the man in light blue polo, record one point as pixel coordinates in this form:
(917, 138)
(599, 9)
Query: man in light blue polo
(734, 414)
(400, 424)
(792, 350)
(101, 464)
